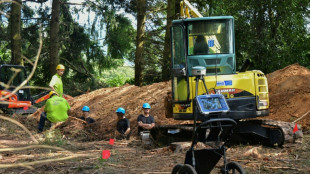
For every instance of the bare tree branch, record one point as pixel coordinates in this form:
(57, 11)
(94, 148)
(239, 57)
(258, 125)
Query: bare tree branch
(27, 164)
(78, 69)
(33, 146)
(3, 13)
(22, 126)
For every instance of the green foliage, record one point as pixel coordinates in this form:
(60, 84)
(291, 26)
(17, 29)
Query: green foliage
(153, 39)
(5, 54)
(118, 76)
(130, 81)
(84, 55)
(101, 161)
(115, 81)
(120, 37)
(54, 138)
(271, 34)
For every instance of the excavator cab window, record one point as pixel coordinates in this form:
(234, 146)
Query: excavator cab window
(214, 36)
(13, 76)
(210, 43)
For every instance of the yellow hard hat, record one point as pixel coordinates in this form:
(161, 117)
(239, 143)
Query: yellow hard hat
(60, 66)
(51, 93)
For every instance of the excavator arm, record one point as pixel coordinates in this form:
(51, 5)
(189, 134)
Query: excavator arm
(46, 96)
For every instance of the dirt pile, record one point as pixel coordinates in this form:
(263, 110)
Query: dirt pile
(289, 90)
(104, 102)
(289, 93)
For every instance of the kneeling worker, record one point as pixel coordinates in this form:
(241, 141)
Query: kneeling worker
(123, 124)
(86, 116)
(56, 109)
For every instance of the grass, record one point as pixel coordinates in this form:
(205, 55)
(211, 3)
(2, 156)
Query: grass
(54, 138)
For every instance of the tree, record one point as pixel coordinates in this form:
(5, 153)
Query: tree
(54, 40)
(15, 34)
(272, 34)
(141, 17)
(171, 14)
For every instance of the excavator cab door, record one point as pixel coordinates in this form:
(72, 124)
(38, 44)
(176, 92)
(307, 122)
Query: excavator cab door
(13, 76)
(179, 65)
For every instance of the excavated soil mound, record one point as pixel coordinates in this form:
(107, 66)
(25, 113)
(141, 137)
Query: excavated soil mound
(104, 102)
(289, 93)
(289, 90)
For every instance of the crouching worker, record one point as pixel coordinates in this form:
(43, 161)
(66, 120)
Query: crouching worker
(55, 111)
(123, 124)
(86, 116)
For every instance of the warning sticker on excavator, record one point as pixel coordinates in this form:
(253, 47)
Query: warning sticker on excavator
(211, 43)
(224, 83)
(228, 82)
(220, 84)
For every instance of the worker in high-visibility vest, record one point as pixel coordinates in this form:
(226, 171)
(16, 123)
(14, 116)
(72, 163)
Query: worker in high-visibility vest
(55, 110)
(56, 82)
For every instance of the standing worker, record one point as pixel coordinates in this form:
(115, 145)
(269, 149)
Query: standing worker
(56, 82)
(123, 124)
(56, 110)
(145, 120)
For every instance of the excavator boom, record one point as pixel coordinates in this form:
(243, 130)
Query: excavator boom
(188, 11)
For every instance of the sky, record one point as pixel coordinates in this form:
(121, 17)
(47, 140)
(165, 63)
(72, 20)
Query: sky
(83, 16)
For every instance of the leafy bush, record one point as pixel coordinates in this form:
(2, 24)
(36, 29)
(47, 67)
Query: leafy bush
(130, 81)
(118, 76)
(117, 80)
(54, 138)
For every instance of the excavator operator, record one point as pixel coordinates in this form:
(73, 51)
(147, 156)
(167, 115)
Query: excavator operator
(201, 46)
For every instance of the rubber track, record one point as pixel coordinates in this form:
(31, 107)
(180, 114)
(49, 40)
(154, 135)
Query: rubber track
(180, 126)
(287, 129)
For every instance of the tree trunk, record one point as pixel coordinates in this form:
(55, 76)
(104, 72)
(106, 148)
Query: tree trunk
(15, 25)
(141, 17)
(54, 40)
(167, 47)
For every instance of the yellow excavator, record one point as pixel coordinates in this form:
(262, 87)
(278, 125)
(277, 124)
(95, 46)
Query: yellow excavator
(204, 62)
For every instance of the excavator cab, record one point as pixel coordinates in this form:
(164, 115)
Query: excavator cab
(11, 76)
(200, 42)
